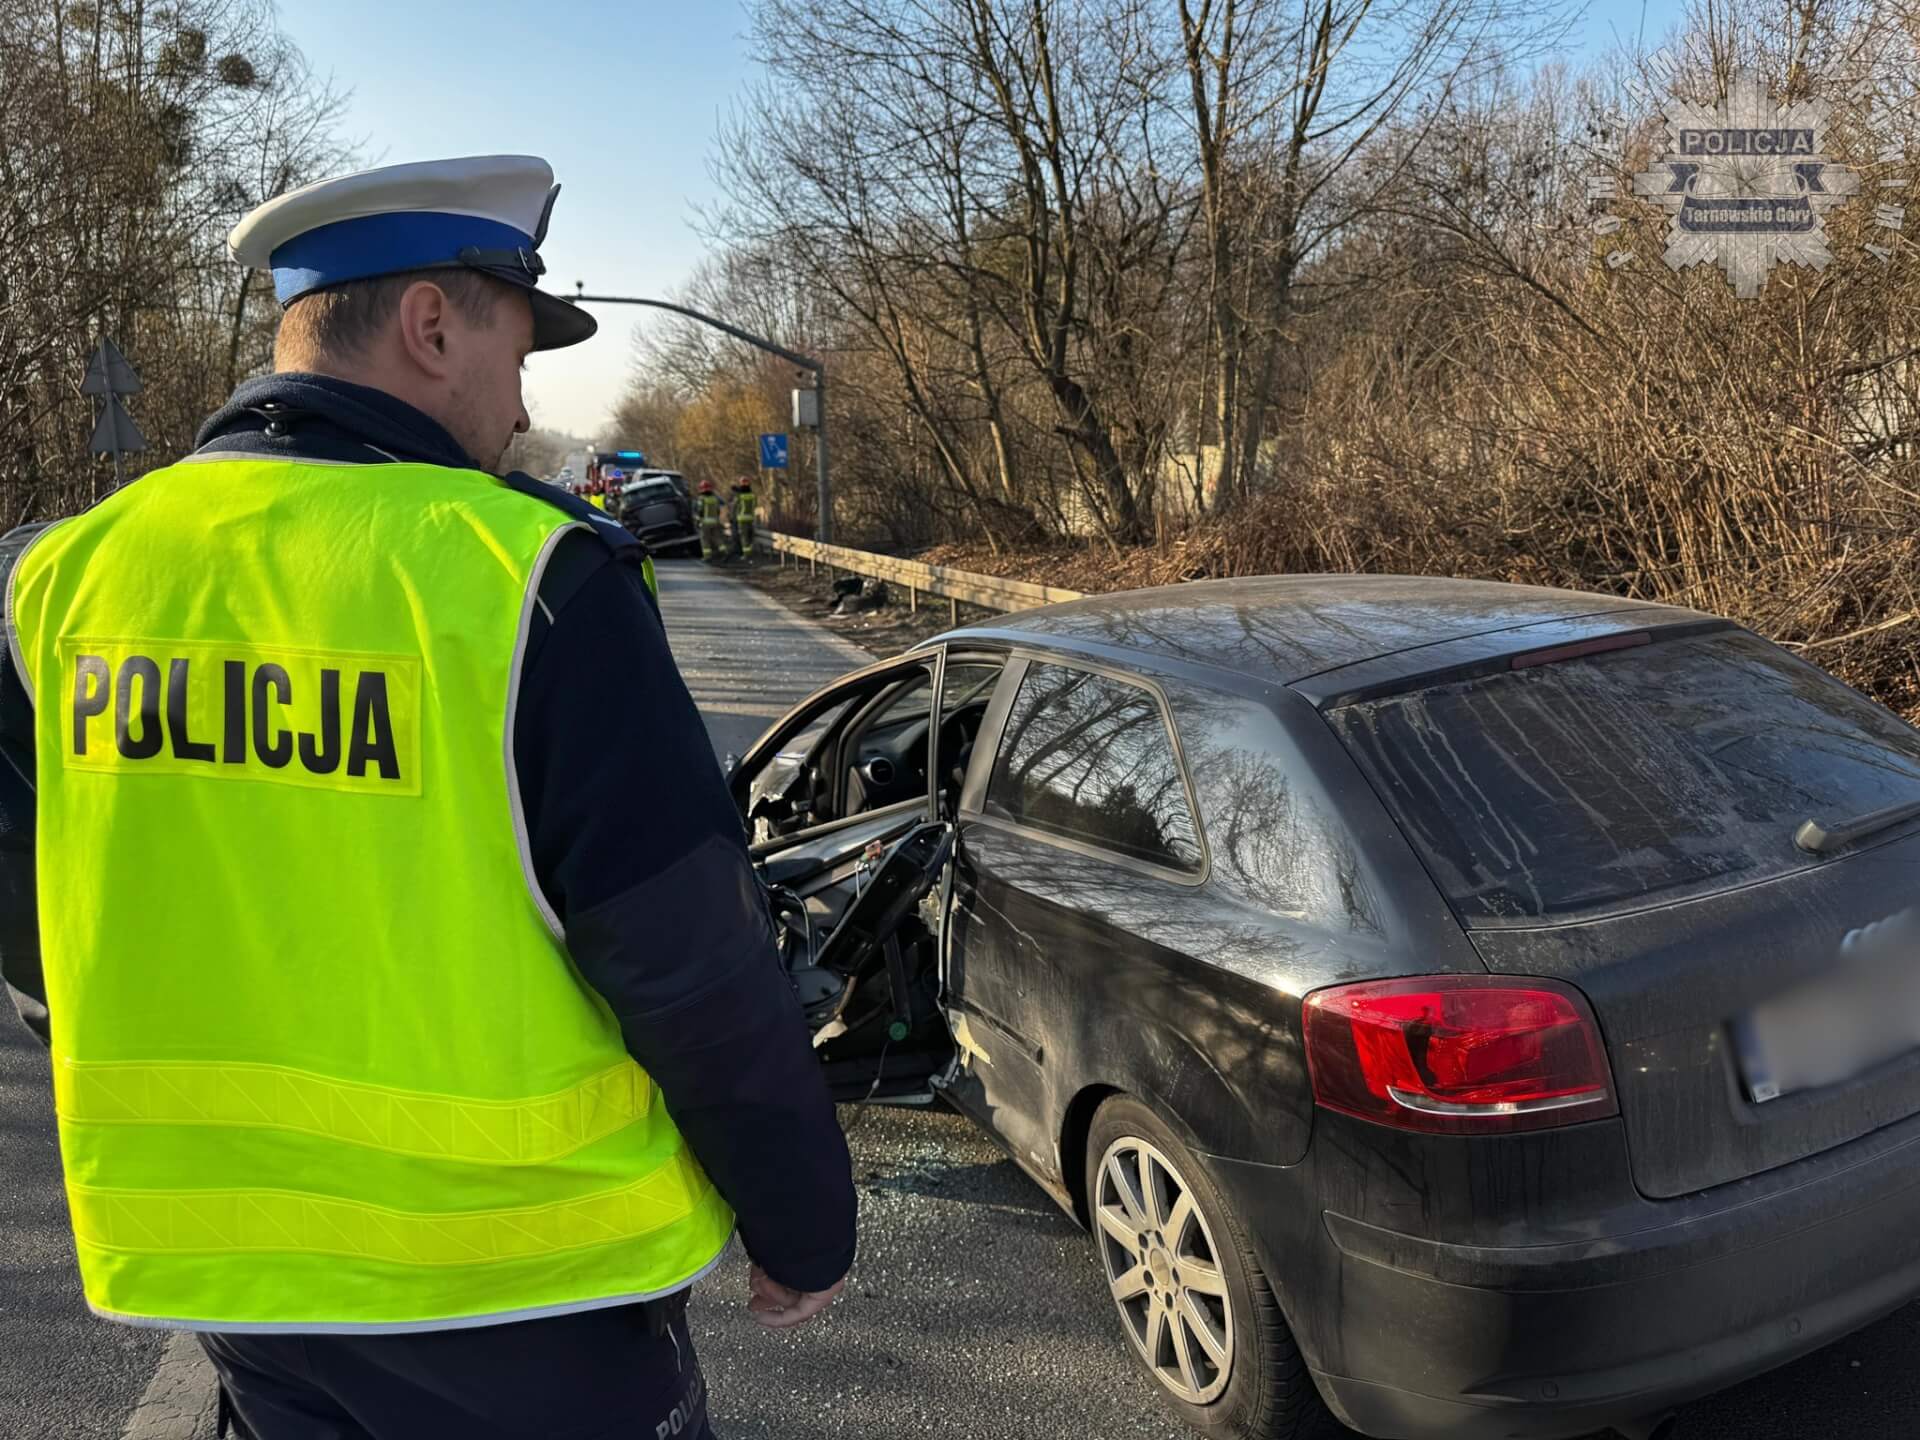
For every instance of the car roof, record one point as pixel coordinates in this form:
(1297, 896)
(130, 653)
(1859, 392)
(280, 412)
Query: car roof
(1288, 628)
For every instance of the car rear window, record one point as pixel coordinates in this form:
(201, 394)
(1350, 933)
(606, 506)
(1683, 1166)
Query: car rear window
(1590, 783)
(1090, 759)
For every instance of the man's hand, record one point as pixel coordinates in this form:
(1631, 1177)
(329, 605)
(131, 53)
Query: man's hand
(778, 1308)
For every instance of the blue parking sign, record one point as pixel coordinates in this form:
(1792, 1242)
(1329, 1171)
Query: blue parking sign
(773, 452)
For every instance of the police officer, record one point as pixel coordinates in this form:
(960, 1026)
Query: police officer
(390, 1055)
(708, 513)
(744, 508)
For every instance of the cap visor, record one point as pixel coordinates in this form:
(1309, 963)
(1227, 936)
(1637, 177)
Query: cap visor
(558, 323)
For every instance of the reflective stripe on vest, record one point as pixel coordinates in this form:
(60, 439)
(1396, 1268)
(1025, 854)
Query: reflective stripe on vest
(320, 1060)
(210, 1220)
(743, 508)
(487, 1132)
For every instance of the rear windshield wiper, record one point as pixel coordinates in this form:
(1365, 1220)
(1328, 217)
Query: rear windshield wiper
(1818, 839)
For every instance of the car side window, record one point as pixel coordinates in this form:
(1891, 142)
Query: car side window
(910, 702)
(1089, 758)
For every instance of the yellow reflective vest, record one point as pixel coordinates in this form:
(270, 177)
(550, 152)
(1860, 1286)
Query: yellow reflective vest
(320, 1060)
(743, 507)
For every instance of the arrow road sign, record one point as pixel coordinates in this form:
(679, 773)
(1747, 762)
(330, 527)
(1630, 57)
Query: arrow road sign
(116, 434)
(108, 373)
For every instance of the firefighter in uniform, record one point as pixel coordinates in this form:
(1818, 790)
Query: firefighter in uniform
(744, 507)
(708, 513)
(389, 1056)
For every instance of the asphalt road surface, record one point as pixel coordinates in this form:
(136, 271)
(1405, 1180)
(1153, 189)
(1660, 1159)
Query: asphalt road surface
(62, 1373)
(974, 1312)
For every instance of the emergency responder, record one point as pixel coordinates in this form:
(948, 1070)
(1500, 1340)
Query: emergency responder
(708, 512)
(392, 1057)
(743, 517)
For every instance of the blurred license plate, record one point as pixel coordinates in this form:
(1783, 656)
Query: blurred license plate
(1862, 1013)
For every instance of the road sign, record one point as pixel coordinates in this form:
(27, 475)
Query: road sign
(108, 373)
(110, 376)
(116, 434)
(773, 452)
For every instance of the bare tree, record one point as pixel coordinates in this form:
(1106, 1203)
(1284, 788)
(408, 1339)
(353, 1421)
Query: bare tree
(1285, 100)
(943, 166)
(132, 136)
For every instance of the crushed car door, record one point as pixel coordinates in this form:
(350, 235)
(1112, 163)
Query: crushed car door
(840, 804)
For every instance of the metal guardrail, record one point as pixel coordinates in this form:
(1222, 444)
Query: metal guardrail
(956, 587)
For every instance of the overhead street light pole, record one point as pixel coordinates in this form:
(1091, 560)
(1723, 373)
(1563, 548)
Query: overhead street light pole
(824, 528)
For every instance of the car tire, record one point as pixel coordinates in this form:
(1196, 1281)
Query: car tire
(1266, 1392)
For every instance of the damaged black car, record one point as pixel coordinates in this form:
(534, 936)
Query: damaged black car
(657, 512)
(1453, 1009)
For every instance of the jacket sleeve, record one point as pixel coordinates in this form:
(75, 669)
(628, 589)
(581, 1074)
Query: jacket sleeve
(639, 850)
(19, 908)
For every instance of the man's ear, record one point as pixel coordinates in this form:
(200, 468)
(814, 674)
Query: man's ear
(424, 310)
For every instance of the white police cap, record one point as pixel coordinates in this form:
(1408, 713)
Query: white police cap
(485, 212)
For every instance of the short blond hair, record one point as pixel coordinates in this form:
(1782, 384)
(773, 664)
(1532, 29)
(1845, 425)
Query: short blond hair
(337, 323)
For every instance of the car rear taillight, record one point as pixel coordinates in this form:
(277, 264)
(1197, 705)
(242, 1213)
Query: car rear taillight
(1458, 1054)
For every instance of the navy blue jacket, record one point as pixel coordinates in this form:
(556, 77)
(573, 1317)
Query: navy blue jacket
(636, 843)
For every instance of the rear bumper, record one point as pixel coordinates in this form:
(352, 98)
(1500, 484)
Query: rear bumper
(1413, 1336)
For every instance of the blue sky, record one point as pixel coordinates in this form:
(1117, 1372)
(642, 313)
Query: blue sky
(623, 99)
